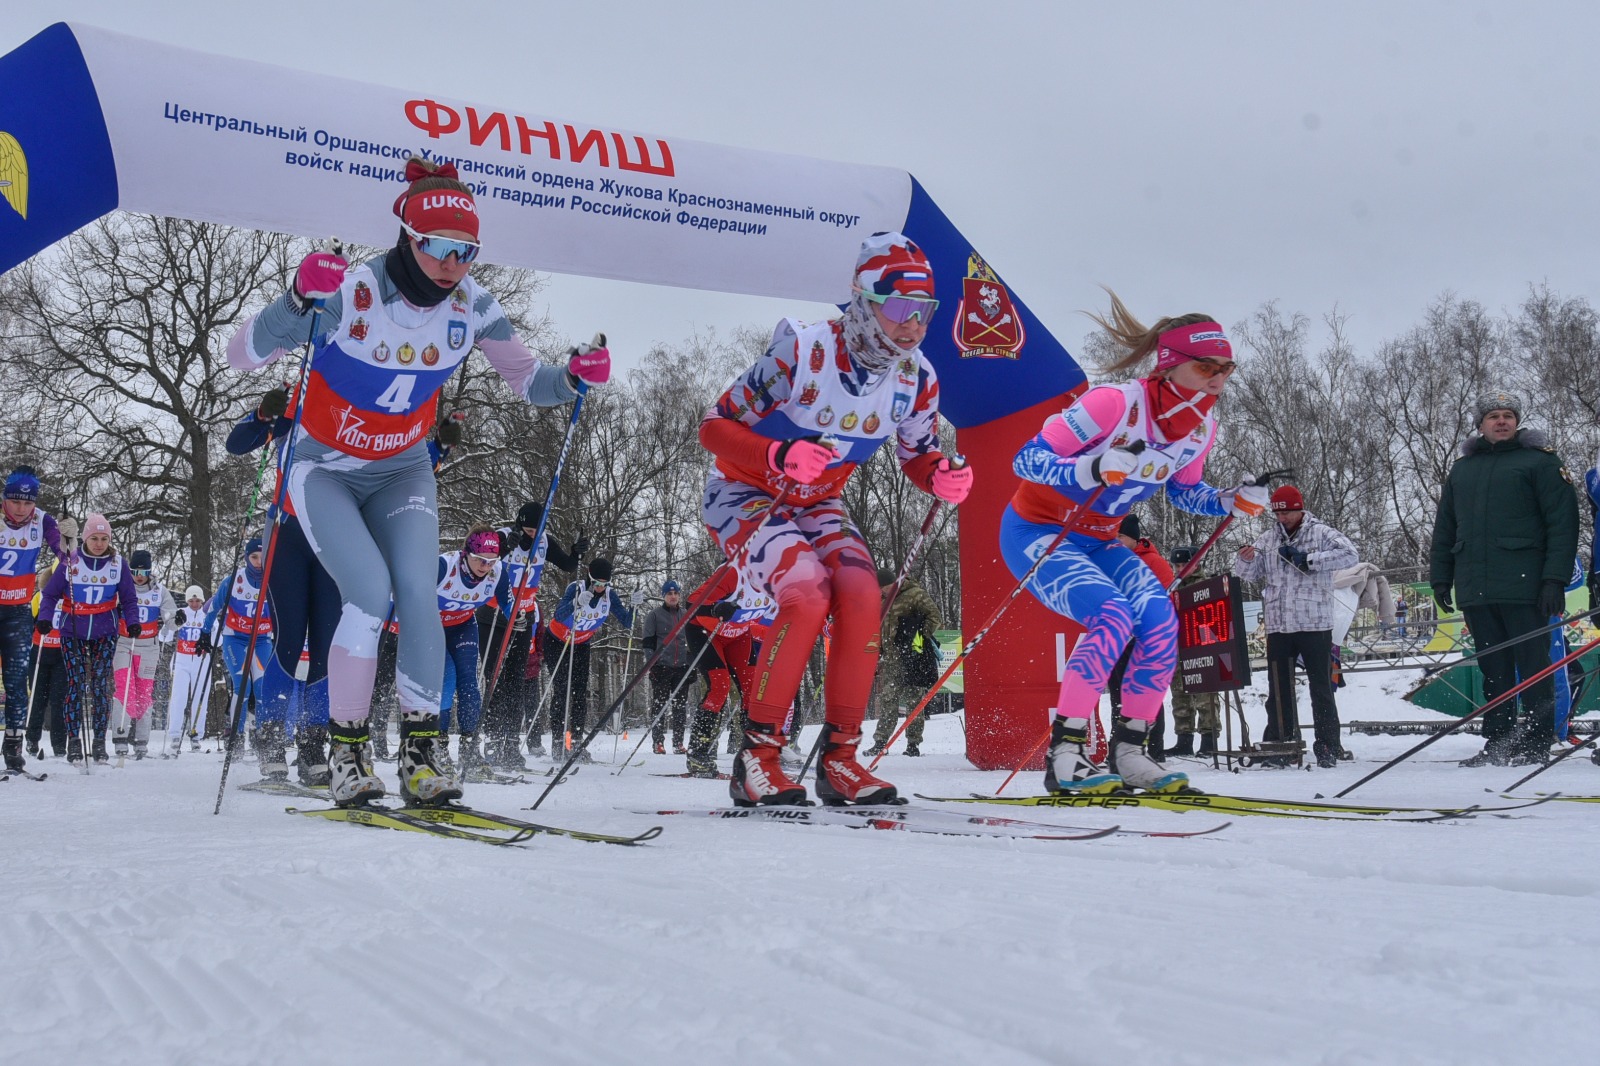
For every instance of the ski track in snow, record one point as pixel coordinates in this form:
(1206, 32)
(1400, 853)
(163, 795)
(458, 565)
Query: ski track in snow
(141, 929)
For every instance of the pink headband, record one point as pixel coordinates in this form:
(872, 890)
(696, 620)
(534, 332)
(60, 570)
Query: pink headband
(1200, 340)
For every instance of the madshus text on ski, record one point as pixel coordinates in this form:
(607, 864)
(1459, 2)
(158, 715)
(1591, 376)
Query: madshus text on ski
(344, 631)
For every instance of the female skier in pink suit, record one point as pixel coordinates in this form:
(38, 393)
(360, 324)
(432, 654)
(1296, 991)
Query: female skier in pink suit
(391, 333)
(1117, 445)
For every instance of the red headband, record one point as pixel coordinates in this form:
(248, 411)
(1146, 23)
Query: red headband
(437, 209)
(1199, 340)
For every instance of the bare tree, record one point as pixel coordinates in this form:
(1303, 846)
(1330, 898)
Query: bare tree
(122, 334)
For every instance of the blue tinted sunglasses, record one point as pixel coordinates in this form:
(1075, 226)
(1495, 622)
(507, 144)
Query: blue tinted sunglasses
(442, 247)
(903, 308)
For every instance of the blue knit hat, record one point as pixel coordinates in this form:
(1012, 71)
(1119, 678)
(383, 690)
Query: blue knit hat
(22, 484)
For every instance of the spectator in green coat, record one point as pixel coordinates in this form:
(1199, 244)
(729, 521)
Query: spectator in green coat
(1503, 542)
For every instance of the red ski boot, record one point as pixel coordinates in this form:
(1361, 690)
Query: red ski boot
(842, 781)
(758, 778)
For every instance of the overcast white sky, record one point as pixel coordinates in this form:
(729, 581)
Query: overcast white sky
(1192, 156)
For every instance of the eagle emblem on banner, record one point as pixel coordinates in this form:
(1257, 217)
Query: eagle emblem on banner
(987, 325)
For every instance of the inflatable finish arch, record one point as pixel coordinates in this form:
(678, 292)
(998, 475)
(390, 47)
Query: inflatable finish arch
(92, 122)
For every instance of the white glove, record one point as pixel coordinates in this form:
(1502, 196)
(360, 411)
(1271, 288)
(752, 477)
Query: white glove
(1111, 468)
(637, 599)
(1246, 501)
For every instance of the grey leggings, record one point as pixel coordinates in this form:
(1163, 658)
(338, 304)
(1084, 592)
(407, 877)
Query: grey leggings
(374, 525)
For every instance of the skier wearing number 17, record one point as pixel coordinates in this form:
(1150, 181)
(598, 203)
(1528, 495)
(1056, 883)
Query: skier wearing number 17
(786, 434)
(1116, 445)
(385, 337)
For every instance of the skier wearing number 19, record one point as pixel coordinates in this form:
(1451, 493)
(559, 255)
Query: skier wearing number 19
(1116, 445)
(773, 504)
(386, 337)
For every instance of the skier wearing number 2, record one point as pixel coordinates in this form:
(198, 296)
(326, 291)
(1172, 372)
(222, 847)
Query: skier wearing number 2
(24, 531)
(786, 434)
(1116, 445)
(386, 336)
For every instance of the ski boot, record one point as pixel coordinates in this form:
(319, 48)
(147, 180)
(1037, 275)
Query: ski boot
(1327, 758)
(1208, 746)
(268, 742)
(194, 740)
(311, 758)
(474, 767)
(1134, 765)
(98, 751)
(841, 780)
(702, 752)
(659, 747)
(34, 751)
(74, 750)
(1184, 746)
(12, 750)
(1069, 766)
(119, 744)
(536, 746)
(141, 750)
(423, 781)
(351, 782)
(678, 748)
(758, 778)
(1496, 752)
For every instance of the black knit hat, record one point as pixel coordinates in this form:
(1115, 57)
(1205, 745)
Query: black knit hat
(600, 569)
(140, 560)
(529, 516)
(1130, 526)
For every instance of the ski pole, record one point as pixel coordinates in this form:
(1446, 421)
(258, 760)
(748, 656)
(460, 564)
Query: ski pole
(734, 559)
(949, 672)
(238, 702)
(924, 535)
(1025, 760)
(549, 687)
(1572, 749)
(1489, 705)
(667, 703)
(493, 677)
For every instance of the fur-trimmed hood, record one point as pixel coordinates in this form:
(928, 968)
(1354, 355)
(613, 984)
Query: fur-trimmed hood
(1529, 437)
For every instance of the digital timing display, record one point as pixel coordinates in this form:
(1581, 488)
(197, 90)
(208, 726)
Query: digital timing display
(1212, 656)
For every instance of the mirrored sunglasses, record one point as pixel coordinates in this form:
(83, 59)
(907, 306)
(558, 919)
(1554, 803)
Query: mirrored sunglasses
(442, 247)
(898, 308)
(1210, 368)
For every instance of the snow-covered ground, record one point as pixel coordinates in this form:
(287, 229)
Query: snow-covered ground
(138, 928)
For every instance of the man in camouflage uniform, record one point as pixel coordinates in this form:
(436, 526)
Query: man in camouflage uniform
(904, 674)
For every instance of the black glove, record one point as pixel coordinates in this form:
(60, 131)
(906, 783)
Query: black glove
(449, 432)
(42, 624)
(505, 546)
(580, 546)
(203, 645)
(273, 405)
(1552, 600)
(1441, 596)
(725, 609)
(135, 630)
(525, 542)
(1294, 557)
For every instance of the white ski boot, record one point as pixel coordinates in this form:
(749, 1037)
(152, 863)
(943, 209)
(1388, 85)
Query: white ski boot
(351, 780)
(423, 782)
(1069, 767)
(1134, 765)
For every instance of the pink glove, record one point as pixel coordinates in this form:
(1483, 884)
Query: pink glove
(589, 364)
(951, 484)
(800, 460)
(319, 275)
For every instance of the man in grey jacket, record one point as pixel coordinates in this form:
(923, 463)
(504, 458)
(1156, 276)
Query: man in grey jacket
(668, 672)
(1295, 562)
